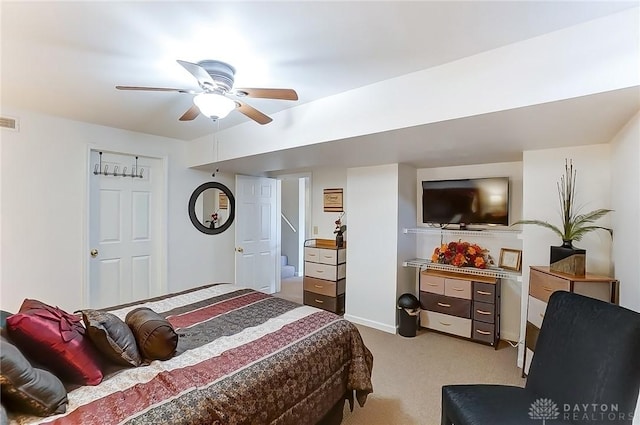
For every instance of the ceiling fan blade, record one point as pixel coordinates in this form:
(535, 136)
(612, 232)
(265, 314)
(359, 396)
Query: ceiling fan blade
(155, 89)
(253, 113)
(203, 77)
(191, 114)
(282, 94)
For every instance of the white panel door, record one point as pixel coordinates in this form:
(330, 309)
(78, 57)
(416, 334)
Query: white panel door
(257, 244)
(123, 264)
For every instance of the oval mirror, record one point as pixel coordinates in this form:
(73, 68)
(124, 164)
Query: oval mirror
(212, 208)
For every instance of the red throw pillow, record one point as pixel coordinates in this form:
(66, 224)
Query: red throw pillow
(55, 339)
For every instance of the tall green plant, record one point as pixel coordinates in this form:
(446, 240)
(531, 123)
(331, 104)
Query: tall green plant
(574, 225)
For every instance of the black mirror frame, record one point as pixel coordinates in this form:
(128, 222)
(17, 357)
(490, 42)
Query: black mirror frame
(192, 208)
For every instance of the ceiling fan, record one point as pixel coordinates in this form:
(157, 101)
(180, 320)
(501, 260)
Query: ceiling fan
(216, 81)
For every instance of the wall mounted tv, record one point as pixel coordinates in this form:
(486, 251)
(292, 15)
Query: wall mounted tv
(466, 201)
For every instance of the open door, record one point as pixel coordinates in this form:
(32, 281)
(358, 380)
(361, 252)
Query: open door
(257, 233)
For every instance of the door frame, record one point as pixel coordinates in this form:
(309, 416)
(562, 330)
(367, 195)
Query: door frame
(162, 239)
(304, 201)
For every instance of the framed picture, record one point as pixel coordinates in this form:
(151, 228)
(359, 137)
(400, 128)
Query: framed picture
(510, 259)
(223, 201)
(333, 200)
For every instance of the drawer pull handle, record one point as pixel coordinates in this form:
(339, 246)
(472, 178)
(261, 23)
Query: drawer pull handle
(319, 301)
(483, 293)
(432, 284)
(311, 255)
(548, 289)
(319, 286)
(541, 315)
(458, 289)
(328, 256)
(483, 332)
(445, 324)
(319, 271)
(483, 312)
(444, 305)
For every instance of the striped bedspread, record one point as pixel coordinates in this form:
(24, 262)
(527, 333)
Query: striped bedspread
(243, 357)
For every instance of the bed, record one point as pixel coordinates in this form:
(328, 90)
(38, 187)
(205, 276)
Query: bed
(242, 357)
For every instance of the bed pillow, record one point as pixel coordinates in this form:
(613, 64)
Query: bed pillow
(156, 338)
(56, 340)
(112, 337)
(27, 389)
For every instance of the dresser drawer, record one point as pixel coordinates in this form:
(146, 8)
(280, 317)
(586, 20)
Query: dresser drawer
(542, 285)
(484, 312)
(325, 271)
(447, 305)
(484, 332)
(333, 304)
(328, 256)
(484, 292)
(457, 288)
(324, 287)
(445, 323)
(312, 254)
(429, 283)
(535, 311)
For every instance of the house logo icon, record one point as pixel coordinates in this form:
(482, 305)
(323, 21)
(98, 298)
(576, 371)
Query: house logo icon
(545, 409)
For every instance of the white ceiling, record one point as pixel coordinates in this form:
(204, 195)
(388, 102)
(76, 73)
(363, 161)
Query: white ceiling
(64, 58)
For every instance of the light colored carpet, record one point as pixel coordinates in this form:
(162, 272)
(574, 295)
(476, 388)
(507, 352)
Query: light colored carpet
(291, 289)
(408, 373)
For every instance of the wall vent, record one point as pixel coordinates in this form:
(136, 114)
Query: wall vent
(9, 123)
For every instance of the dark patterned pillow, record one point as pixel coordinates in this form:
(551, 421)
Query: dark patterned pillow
(28, 389)
(112, 337)
(56, 340)
(156, 338)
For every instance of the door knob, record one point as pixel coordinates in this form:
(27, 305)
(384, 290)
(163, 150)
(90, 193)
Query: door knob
(94, 253)
(240, 250)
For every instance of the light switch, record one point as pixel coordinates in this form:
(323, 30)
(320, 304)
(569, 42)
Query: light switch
(315, 230)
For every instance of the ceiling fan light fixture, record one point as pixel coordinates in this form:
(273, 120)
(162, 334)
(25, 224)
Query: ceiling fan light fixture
(213, 105)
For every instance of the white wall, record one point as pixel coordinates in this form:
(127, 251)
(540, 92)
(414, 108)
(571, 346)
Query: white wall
(625, 200)
(407, 282)
(44, 175)
(542, 170)
(328, 178)
(372, 253)
(511, 290)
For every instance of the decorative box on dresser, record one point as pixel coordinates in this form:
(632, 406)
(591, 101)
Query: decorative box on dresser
(543, 282)
(325, 271)
(461, 304)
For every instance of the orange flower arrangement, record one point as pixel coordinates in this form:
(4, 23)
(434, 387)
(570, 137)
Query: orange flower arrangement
(461, 254)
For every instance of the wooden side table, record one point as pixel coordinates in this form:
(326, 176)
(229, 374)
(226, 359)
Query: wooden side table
(543, 282)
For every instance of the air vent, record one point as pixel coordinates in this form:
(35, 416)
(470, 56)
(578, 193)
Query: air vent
(10, 123)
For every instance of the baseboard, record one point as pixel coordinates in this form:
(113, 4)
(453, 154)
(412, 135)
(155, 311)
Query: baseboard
(371, 324)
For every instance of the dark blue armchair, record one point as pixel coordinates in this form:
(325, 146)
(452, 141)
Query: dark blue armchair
(586, 370)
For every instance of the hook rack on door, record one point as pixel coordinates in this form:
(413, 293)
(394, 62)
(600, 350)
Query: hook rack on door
(135, 171)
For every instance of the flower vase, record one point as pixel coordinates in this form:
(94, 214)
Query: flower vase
(567, 259)
(339, 240)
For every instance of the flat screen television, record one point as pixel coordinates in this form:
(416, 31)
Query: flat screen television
(466, 201)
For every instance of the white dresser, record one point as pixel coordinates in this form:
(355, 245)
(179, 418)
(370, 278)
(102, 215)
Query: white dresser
(325, 271)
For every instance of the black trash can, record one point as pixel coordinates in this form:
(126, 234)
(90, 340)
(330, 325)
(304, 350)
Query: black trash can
(408, 309)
